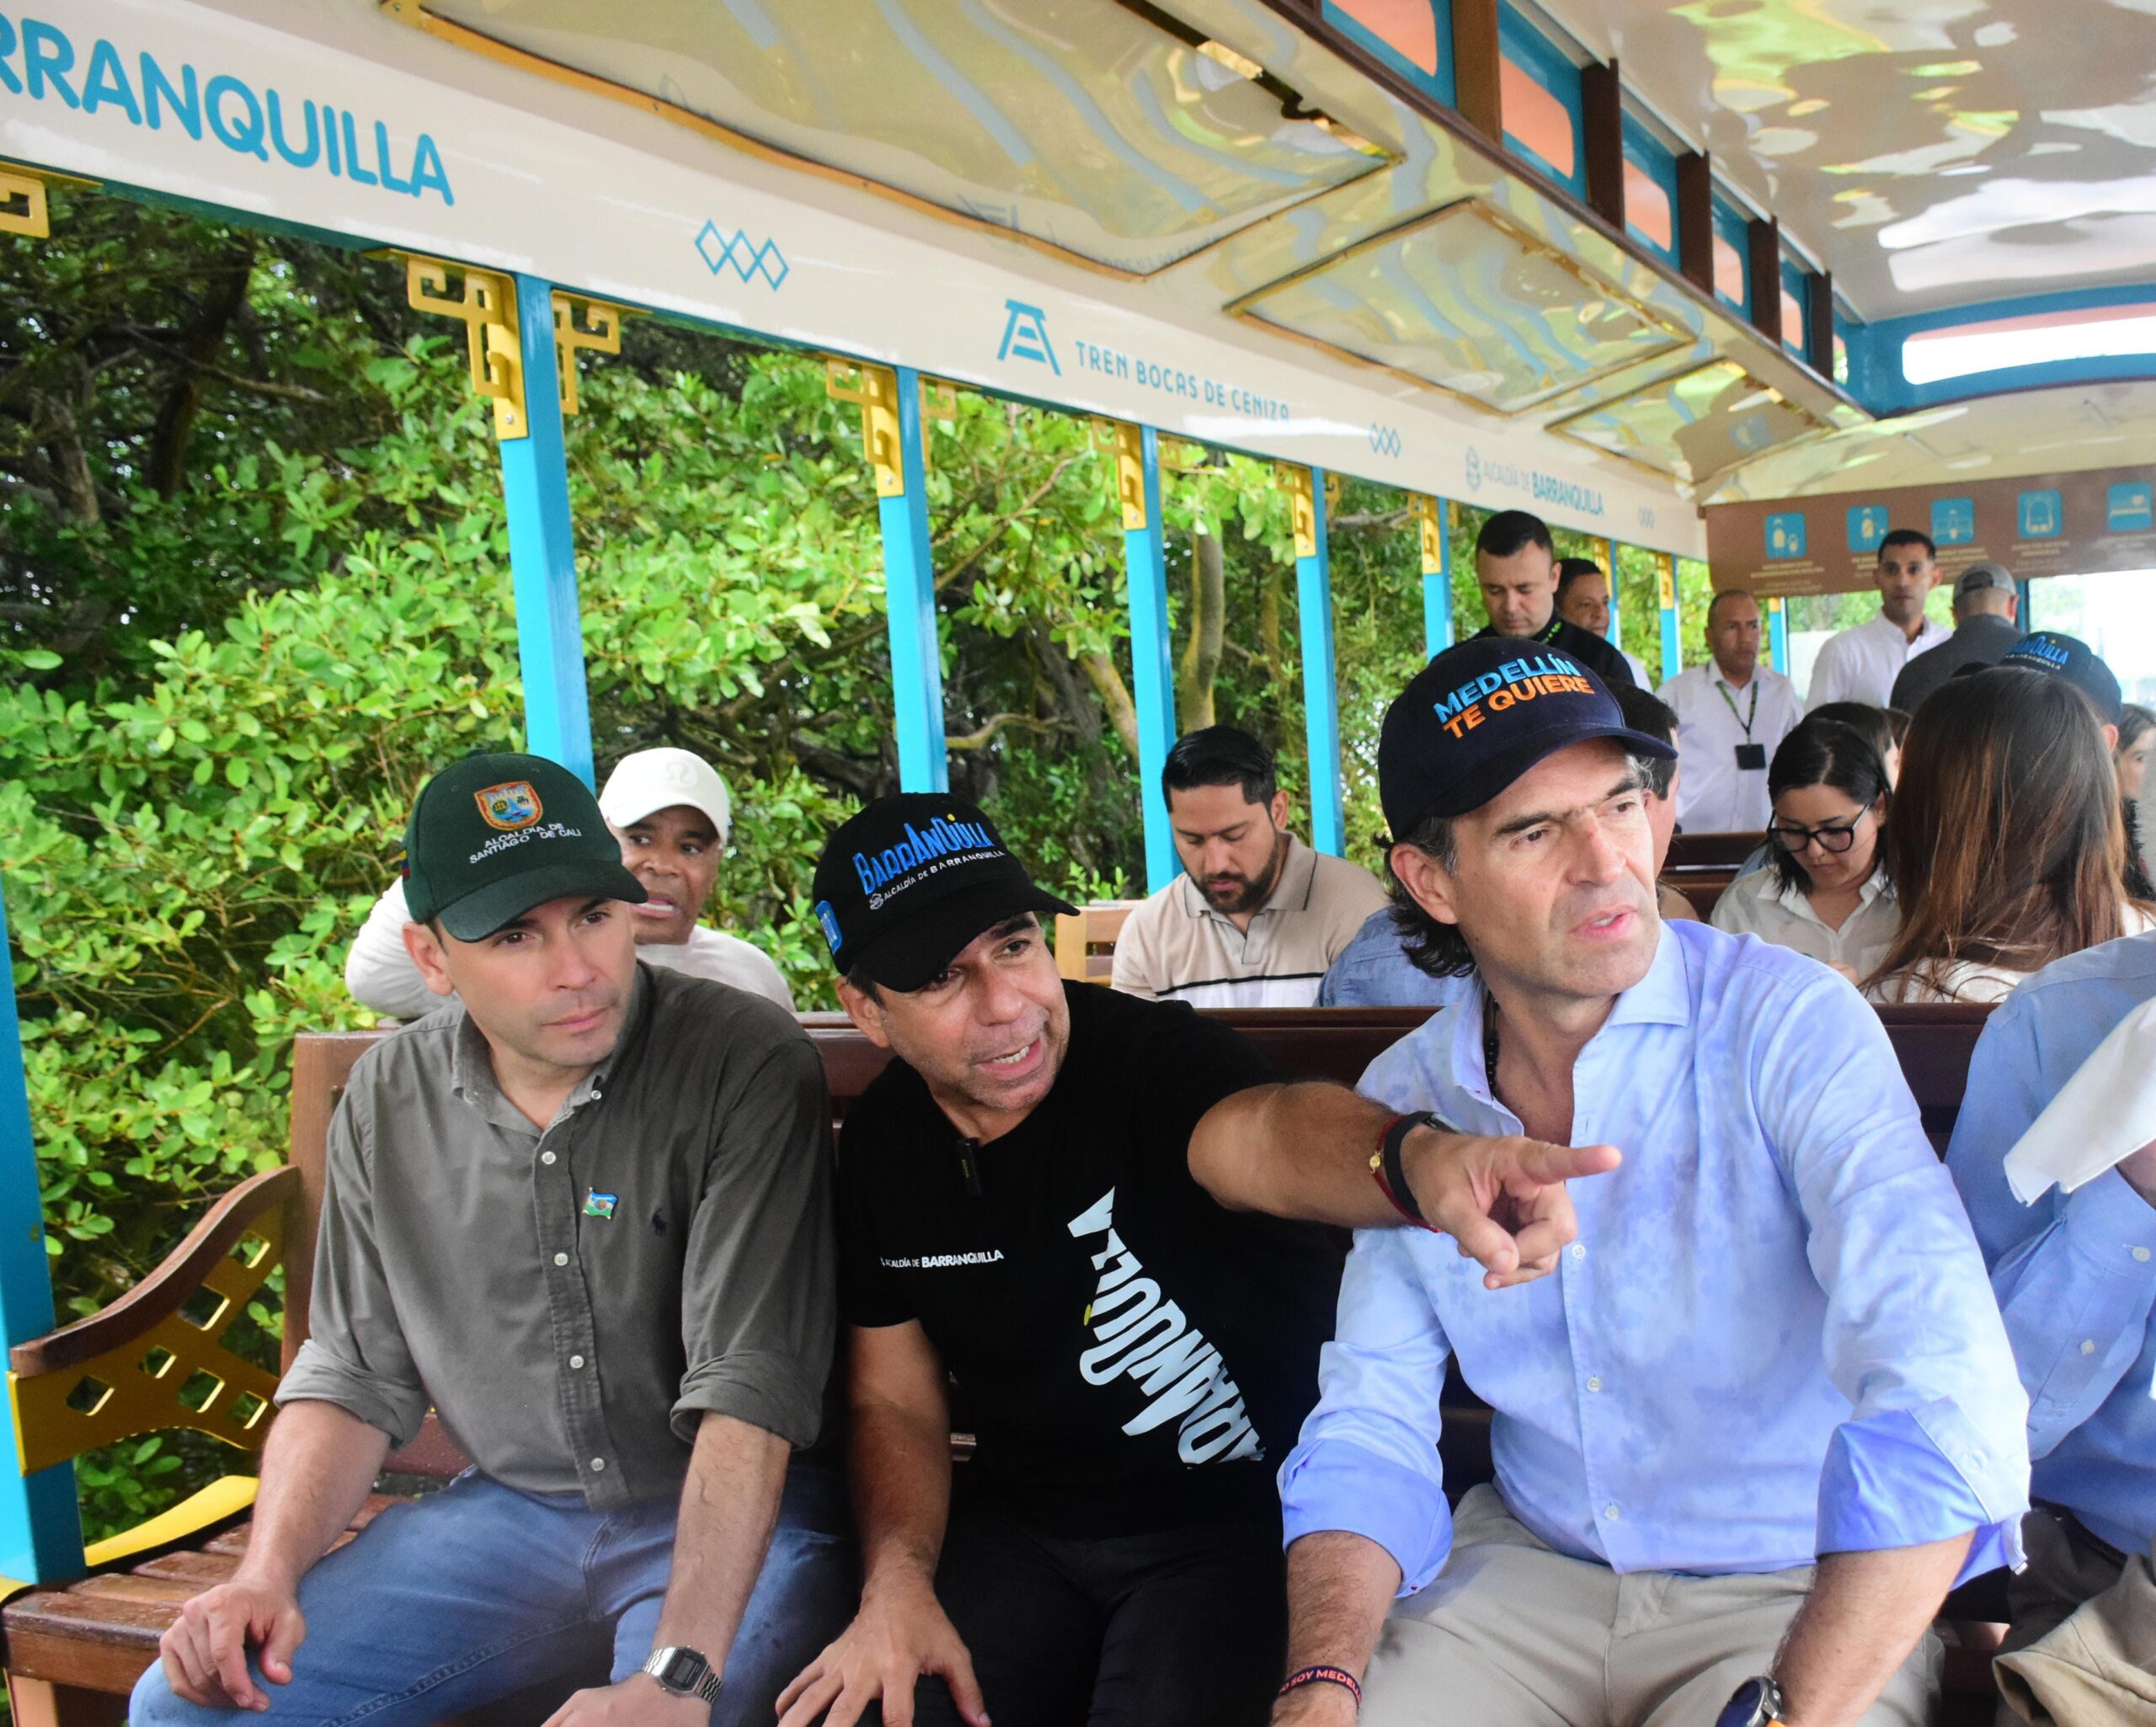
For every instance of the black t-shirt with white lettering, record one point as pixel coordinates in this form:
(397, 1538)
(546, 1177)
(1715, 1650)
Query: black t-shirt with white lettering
(1127, 1352)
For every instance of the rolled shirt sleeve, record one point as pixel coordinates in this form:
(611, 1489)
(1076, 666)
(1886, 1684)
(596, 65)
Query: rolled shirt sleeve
(355, 1355)
(379, 971)
(1935, 1446)
(1367, 1461)
(759, 1306)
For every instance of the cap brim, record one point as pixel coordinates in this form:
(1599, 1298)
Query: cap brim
(907, 955)
(1470, 793)
(481, 912)
(627, 812)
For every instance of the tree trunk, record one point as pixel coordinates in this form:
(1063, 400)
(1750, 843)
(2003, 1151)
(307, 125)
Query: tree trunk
(198, 350)
(1115, 696)
(1201, 654)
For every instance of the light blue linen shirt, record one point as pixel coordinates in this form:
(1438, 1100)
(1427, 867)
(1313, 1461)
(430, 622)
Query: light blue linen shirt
(1773, 1338)
(1375, 971)
(2075, 1274)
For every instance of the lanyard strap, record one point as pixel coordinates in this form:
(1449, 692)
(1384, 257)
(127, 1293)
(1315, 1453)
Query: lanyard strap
(1744, 720)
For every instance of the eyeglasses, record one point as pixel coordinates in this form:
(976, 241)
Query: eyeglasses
(1838, 839)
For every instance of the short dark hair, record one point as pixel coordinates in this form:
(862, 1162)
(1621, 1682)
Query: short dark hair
(1571, 569)
(1220, 755)
(1824, 751)
(1645, 711)
(1875, 725)
(1910, 536)
(1722, 594)
(2133, 721)
(1509, 530)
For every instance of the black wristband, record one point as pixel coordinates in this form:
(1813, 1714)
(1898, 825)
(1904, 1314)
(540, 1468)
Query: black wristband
(1389, 1155)
(1323, 1675)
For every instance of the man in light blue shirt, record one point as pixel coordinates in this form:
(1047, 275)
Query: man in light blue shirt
(1763, 1413)
(2075, 1275)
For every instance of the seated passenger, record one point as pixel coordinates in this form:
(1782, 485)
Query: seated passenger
(1733, 714)
(2062, 656)
(1516, 568)
(1762, 1414)
(2130, 759)
(1257, 916)
(1374, 970)
(583, 1212)
(2004, 841)
(1825, 891)
(1017, 1221)
(1584, 602)
(2075, 1275)
(1985, 605)
(669, 810)
(1884, 729)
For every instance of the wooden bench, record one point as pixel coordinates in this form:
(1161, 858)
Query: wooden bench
(1084, 945)
(1701, 865)
(72, 1654)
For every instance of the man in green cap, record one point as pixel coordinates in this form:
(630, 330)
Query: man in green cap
(583, 1212)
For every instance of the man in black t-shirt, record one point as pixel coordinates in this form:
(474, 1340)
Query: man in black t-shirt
(1020, 1231)
(1516, 568)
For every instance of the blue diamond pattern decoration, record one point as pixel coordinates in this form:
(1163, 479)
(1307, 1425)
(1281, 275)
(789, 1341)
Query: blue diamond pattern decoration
(748, 259)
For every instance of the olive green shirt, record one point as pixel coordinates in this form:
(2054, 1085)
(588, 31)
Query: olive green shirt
(572, 1302)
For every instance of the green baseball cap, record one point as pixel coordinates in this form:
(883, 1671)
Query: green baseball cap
(493, 835)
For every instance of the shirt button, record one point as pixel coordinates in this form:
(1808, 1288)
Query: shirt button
(1594, 1382)
(561, 1259)
(597, 1464)
(2141, 1255)
(546, 1157)
(1579, 1250)
(2088, 1345)
(596, 1095)
(576, 1361)
(1609, 1511)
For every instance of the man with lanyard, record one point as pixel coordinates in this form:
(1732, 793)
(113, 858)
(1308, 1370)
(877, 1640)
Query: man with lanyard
(1733, 714)
(1019, 1230)
(1516, 568)
(582, 1214)
(1861, 663)
(2075, 1275)
(1762, 1415)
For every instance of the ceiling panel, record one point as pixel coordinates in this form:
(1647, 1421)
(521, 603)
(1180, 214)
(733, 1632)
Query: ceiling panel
(1694, 425)
(1077, 123)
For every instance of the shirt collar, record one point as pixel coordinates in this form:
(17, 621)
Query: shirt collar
(472, 1068)
(1793, 897)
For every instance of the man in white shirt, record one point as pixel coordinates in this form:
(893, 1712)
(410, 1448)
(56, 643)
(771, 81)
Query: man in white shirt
(1861, 664)
(1732, 713)
(1584, 602)
(1258, 917)
(670, 811)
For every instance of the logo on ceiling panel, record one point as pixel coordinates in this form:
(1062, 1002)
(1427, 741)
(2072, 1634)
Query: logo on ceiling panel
(1474, 469)
(748, 259)
(1384, 440)
(1025, 336)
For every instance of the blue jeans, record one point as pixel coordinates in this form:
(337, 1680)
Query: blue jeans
(477, 1591)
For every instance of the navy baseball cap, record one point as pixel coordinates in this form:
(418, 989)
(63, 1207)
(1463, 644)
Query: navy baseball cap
(906, 884)
(1481, 714)
(2070, 657)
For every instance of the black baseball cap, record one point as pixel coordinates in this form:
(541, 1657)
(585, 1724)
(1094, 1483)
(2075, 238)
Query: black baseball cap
(907, 883)
(492, 835)
(1481, 714)
(2070, 657)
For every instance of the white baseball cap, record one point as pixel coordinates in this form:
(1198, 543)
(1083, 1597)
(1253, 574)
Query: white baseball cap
(658, 779)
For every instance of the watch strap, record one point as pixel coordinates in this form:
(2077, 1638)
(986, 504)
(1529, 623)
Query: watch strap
(705, 1686)
(1392, 1170)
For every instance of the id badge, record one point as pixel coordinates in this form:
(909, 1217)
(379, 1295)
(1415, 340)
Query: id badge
(1752, 757)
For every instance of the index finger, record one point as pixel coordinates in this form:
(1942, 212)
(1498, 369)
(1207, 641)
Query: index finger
(1548, 1165)
(228, 1655)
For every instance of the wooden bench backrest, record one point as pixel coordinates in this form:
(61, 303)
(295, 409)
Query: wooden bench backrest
(1084, 945)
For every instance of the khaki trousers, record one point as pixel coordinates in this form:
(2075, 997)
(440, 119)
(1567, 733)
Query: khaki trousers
(1514, 1634)
(2082, 1649)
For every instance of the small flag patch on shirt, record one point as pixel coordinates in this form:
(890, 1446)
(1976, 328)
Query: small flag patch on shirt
(599, 1205)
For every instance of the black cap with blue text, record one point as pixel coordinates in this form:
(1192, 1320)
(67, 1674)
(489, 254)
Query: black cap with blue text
(2070, 657)
(1481, 714)
(904, 887)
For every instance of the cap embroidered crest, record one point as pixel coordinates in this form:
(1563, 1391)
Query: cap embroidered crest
(509, 807)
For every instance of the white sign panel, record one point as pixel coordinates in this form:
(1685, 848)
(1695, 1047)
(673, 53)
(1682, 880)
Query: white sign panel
(180, 99)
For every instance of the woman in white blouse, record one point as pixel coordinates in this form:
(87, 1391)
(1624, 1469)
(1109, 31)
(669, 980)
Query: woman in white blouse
(2006, 839)
(1823, 890)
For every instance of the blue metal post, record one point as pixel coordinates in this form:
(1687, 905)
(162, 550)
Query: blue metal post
(1778, 636)
(910, 605)
(1437, 577)
(1616, 635)
(542, 550)
(1321, 693)
(40, 1530)
(1672, 655)
(2025, 614)
(1152, 677)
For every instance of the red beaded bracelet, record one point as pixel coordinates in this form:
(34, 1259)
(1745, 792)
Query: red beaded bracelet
(1323, 1675)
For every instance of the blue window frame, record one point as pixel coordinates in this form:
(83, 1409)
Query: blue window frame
(1733, 284)
(1650, 191)
(1394, 33)
(1541, 105)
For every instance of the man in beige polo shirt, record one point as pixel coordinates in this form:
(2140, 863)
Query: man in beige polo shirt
(1258, 916)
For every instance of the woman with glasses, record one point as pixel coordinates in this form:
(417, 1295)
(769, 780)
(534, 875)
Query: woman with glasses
(1823, 892)
(2005, 840)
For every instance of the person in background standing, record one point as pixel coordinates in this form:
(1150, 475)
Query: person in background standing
(1733, 714)
(1860, 664)
(1986, 603)
(1516, 568)
(1584, 602)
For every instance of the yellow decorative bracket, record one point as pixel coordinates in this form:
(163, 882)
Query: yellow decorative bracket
(486, 308)
(24, 209)
(599, 331)
(1429, 521)
(1666, 580)
(1126, 443)
(874, 389)
(1302, 505)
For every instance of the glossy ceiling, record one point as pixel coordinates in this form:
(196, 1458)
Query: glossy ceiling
(1931, 153)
